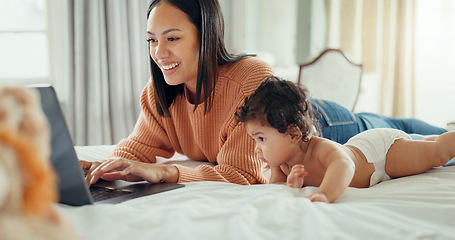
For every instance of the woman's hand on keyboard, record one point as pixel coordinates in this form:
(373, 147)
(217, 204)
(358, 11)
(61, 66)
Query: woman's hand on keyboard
(133, 171)
(88, 167)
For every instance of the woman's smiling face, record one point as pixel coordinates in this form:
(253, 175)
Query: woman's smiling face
(174, 45)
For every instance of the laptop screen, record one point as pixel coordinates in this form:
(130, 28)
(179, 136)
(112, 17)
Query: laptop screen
(71, 184)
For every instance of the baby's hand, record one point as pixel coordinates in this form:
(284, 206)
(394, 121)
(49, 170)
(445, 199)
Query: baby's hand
(295, 177)
(318, 197)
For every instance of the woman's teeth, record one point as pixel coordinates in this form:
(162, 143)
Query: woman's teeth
(170, 66)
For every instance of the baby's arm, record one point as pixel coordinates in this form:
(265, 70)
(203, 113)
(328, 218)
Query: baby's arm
(295, 179)
(339, 173)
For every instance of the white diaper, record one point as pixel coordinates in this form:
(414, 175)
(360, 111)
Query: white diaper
(374, 144)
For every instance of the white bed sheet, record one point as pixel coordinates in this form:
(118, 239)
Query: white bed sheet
(415, 207)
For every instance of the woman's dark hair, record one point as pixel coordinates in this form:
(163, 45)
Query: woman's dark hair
(280, 104)
(206, 15)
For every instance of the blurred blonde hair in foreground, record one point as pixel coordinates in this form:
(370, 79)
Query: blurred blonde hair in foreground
(28, 187)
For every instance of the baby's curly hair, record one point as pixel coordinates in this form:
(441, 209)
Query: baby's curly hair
(280, 103)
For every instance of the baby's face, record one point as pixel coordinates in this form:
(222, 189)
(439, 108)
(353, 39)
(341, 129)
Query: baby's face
(272, 146)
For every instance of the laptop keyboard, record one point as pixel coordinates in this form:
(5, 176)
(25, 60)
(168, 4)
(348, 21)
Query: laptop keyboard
(103, 193)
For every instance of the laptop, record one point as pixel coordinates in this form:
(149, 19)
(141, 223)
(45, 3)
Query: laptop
(72, 187)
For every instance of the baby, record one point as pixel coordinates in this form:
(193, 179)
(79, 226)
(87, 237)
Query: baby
(278, 116)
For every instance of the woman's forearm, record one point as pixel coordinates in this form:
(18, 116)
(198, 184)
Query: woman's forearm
(170, 174)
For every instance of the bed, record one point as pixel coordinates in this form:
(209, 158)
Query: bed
(415, 207)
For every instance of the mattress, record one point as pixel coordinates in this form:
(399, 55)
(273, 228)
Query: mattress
(414, 207)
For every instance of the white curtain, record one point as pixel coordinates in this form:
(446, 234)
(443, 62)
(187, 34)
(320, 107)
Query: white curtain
(380, 35)
(99, 65)
(435, 66)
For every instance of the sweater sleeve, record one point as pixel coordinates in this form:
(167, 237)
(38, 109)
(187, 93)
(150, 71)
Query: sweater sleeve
(237, 163)
(149, 138)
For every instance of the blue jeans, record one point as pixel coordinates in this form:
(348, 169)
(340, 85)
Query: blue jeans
(339, 124)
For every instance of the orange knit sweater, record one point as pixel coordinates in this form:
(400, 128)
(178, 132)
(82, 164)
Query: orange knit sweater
(214, 136)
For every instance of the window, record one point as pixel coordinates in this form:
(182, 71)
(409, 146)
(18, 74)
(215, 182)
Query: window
(24, 51)
(435, 51)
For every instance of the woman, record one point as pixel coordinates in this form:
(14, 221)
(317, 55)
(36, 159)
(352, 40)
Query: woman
(189, 105)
